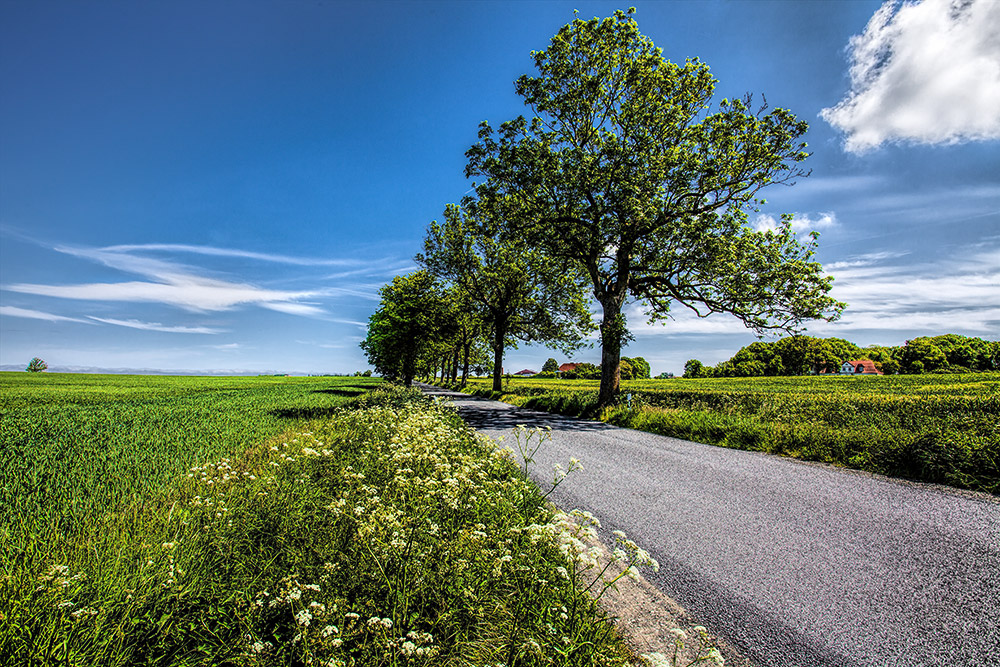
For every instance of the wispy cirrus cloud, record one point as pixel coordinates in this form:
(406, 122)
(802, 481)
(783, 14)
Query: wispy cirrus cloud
(27, 313)
(191, 293)
(866, 259)
(231, 252)
(189, 287)
(926, 72)
(156, 326)
(959, 293)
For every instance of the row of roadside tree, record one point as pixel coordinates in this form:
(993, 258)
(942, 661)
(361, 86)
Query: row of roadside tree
(624, 182)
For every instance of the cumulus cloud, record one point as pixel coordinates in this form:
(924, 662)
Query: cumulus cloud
(156, 326)
(926, 72)
(801, 222)
(11, 311)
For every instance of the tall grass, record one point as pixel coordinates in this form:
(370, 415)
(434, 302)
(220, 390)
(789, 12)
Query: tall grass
(387, 533)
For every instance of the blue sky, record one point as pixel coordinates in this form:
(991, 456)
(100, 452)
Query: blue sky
(224, 186)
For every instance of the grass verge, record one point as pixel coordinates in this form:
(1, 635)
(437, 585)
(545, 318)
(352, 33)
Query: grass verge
(389, 534)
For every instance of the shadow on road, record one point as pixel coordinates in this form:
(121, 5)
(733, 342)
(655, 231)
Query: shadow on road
(505, 417)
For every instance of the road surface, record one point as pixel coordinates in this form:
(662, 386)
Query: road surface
(794, 564)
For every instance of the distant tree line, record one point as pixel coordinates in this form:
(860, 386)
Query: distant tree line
(625, 183)
(631, 368)
(802, 355)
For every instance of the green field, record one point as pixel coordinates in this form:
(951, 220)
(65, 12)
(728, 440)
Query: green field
(280, 521)
(76, 446)
(936, 428)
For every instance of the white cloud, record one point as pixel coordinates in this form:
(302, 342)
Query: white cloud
(175, 284)
(959, 294)
(684, 322)
(156, 326)
(11, 311)
(232, 252)
(801, 222)
(926, 72)
(953, 295)
(188, 292)
(866, 259)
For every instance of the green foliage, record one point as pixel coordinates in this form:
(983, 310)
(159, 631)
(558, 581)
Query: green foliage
(583, 371)
(920, 355)
(36, 365)
(801, 355)
(517, 291)
(936, 428)
(626, 171)
(550, 366)
(414, 315)
(694, 369)
(384, 534)
(638, 368)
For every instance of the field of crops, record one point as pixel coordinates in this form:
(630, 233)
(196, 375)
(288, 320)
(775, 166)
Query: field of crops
(76, 446)
(281, 521)
(936, 428)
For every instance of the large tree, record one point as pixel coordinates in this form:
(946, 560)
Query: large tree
(520, 293)
(625, 169)
(413, 318)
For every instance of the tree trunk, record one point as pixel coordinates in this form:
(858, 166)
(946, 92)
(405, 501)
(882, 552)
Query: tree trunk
(612, 330)
(467, 350)
(408, 366)
(498, 337)
(454, 365)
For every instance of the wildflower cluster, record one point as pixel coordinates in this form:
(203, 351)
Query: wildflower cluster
(58, 588)
(389, 535)
(700, 652)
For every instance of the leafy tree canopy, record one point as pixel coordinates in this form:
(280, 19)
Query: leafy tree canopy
(694, 369)
(800, 355)
(521, 294)
(36, 365)
(413, 316)
(634, 368)
(625, 170)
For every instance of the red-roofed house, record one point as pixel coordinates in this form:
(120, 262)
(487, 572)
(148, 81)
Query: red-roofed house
(859, 367)
(525, 373)
(568, 367)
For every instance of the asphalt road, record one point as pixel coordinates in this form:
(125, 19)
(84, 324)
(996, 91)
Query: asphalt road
(794, 564)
